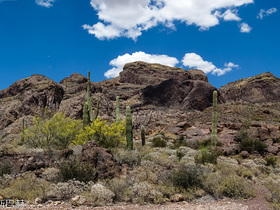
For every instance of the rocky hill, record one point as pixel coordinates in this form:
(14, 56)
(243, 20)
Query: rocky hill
(140, 85)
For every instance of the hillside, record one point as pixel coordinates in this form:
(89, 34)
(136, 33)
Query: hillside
(175, 107)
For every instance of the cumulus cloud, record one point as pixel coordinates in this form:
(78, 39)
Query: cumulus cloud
(264, 13)
(129, 18)
(193, 60)
(45, 3)
(245, 28)
(121, 60)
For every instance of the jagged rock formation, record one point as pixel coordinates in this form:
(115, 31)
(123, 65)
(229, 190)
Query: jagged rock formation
(27, 97)
(260, 88)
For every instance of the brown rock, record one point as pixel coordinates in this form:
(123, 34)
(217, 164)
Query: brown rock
(244, 154)
(272, 149)
(101, 159)
(261, 88)
(27, 97)
(177, 198)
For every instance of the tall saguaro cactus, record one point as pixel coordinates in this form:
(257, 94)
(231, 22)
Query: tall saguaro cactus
(118, 118)
(87, 112)
(129, 132)
(214, 123)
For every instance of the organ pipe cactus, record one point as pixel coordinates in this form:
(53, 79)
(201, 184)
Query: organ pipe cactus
(118, 119)
(214, 123)
(129, 132)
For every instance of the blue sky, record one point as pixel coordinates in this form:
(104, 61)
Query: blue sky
(227, 39)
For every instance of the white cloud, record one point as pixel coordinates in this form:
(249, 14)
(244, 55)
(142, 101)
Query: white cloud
(129, 18)
(45, 3)
(245, 28)
(264, 13)
(230, 15)
(192, 60)
(121, 60)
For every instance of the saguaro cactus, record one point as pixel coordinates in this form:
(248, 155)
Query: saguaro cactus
(214, 123)
(129, 132)
(118, 118)
(87, 112)
(143, 137)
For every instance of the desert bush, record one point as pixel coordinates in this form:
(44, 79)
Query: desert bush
(273, 187)
(246, 173)
(158, 141)
(73, 169)
(5, 168)
(187, 177)
(232, 186)
(179, 142)
(51, 174)
(106, 135)
(162, 158)
(66, 190)
(56, 132)
(118, 186)
(128, 157)
(271, 160)
(26, 187)
(99, 195)
(206, 156)
(247, 143)
(144, 192)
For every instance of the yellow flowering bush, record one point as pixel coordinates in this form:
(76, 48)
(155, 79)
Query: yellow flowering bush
(105, 134)
(56, 132)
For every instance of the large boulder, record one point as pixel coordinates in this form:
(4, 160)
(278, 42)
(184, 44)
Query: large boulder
(257, 89)
(101, 159)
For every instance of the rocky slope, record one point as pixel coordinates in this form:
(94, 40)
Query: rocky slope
(257, 89)
(139, 85)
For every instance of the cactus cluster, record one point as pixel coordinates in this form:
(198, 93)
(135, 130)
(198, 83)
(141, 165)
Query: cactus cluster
(143, 137)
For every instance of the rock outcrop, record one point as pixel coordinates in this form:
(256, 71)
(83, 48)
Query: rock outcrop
(27, 97)
(261, 88)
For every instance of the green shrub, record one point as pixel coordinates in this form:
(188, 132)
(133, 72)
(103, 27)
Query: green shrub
(158, 141)
(73, 169)
(206, 156)
(187, 177)
(5, 168)
(179, 142)
(271, 160)
(56, 132)
(231, 186)
(247, 143)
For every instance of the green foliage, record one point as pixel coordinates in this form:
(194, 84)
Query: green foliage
(118, 118)
(187, 177)
(271, 160)
(143, 137)
(106, 135)
(247, 143)
(206, 156)
(5, 168)
(158, 141)
(26, 187)
(129, 129)
(56, 132)
(179, 142)
(73, 169)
